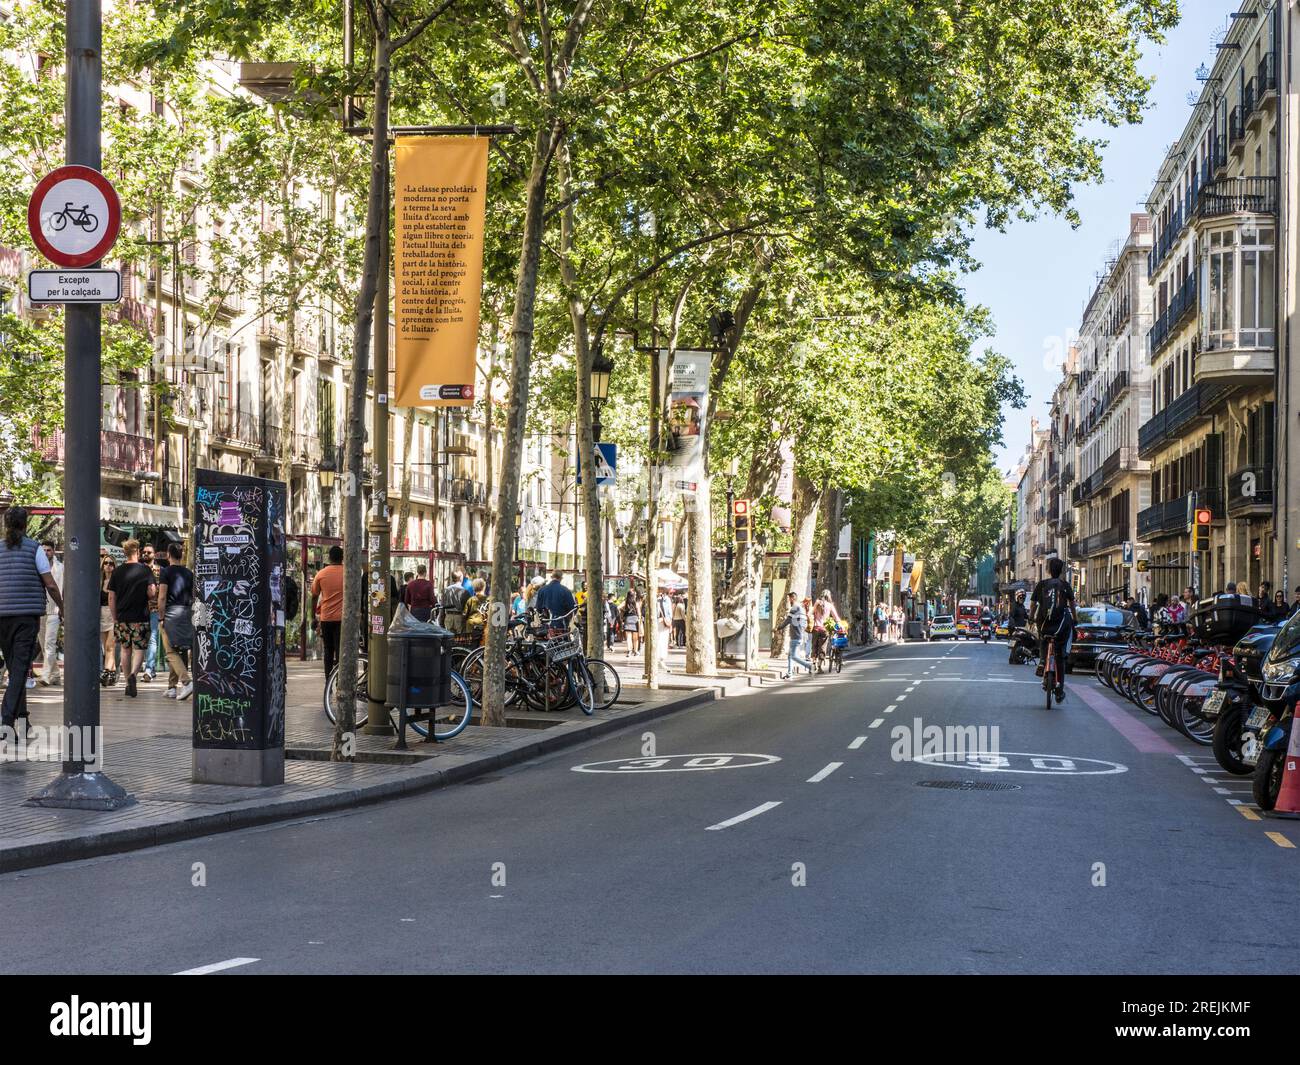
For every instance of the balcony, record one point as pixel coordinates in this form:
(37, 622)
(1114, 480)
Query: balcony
(1189, 409)
(1103, 541)
(237, 425)
(1075, 550)
(1266, 83)
(1236, 365)
(1237, 131)
(269, 330)
(1067, 523)
(1170, 518)
(1067, 475)
(1169, 236)
(118, 452)
(1183, 305)
(1246, 195)
(1250, 492)
(421, 484)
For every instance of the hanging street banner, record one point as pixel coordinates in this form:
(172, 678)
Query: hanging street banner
(781, 515)
(439, 199)
(688, 400)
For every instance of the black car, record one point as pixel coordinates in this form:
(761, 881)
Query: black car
(1100, 627)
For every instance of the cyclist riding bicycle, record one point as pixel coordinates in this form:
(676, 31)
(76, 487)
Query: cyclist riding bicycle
(1052, 610)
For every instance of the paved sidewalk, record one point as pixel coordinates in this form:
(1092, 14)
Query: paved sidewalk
(147, 750)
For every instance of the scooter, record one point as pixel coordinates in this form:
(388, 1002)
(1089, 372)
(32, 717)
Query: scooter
(1236, 707)
(1267, 780)
(986, 630)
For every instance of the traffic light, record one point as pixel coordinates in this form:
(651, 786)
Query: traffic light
(1201, 534)
(742, 519)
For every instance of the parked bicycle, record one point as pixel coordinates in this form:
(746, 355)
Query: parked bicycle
(447, 721)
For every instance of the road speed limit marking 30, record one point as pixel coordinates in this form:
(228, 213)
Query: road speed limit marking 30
(74, 216)
(678, 763)
(1050, 765)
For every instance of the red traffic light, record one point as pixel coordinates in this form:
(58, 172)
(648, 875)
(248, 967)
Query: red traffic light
(1204, 517)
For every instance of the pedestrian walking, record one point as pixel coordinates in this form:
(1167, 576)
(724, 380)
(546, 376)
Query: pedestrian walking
(175, 604)
(327, 606)
(51, 622)
(107, 643)
(25, 582)
(476, 610)
(679, 621)
(453, 604)
(555, 601)
(151, 664)
(796, 620)
(632, 621)
(419, 595)
(131, 592)
(611, 621)
(663, 628)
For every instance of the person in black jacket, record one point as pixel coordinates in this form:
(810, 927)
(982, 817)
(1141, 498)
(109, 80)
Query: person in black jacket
(1019, 613)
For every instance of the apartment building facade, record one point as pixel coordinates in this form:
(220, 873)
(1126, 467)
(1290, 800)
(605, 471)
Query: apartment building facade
(1112, 387)
(1213, 340)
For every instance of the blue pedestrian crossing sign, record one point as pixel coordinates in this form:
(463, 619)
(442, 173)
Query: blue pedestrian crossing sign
(606, 466)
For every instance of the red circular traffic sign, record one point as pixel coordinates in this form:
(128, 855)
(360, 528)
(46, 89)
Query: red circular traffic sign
(74, 216)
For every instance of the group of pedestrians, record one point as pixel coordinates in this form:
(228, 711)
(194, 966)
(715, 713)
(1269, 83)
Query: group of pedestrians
(806, 623)
(889, 623)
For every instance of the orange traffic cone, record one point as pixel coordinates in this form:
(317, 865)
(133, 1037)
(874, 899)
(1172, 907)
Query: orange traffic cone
(1288, 796)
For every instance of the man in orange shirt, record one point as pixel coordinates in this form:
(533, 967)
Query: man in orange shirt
(327, 605)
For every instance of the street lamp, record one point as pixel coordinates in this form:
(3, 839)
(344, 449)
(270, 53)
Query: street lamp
(601, 369)
(326, 471)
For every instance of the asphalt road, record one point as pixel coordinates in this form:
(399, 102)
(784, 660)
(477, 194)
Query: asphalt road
(1115, 852)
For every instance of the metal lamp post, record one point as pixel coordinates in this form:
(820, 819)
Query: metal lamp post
(327, 471)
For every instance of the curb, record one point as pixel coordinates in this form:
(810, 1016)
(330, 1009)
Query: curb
(139, 837)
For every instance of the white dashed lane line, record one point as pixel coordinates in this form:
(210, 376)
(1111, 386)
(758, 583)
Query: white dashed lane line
(857, 743)
(822, 774)
(743, 817)
(879, 721)
(217, 966)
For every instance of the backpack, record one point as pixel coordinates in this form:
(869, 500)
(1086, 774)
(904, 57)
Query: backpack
(292, 597)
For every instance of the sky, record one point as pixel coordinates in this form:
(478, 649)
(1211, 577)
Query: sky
(1037, 276)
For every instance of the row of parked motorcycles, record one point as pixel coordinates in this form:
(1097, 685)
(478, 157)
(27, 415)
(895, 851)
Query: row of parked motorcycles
(1227, 679)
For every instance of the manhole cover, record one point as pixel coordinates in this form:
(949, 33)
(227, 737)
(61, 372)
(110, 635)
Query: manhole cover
(968, 785)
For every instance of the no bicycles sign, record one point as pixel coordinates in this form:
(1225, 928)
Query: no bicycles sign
(74, 216)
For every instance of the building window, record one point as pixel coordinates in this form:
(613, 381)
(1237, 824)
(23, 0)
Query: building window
(1240, 289)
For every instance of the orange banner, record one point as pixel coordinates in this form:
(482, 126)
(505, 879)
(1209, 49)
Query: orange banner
(439, 199)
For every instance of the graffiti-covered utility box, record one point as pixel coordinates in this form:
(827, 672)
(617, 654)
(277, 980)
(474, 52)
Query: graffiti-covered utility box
(238, 667)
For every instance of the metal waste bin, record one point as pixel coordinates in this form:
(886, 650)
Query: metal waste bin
(736, 645)
(418, 674)
(914, 630)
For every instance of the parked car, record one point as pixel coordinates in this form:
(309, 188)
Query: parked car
(943, 628)
(1100, 627)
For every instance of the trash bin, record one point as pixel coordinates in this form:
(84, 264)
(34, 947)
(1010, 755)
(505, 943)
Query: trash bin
(914, 630)
(733, 639)
(422, 660)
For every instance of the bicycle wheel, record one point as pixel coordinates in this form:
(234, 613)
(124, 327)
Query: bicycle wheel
(59, 221)
(607, 681)
(582, 686)
(91, 223)
(1049, 676)
(452, 719)
(363, 696)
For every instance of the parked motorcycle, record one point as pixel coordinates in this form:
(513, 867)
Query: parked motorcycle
(1278, 694)
(1236, 707)
(1024, 647)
